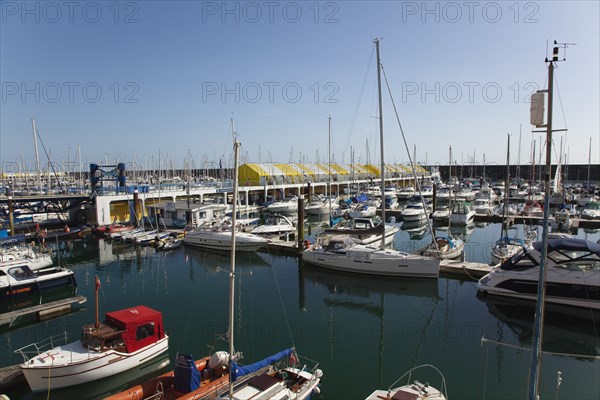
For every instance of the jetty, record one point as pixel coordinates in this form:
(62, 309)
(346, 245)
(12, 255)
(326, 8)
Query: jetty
(42, 312)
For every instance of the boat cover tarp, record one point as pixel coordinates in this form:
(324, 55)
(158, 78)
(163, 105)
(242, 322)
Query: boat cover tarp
(361, 198)
(187, 377)
(237, 370)
(142, 325)
(570, 244)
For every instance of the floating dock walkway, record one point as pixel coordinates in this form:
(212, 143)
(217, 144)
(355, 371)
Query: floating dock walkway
(43, 311)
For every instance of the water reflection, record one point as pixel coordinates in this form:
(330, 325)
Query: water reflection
(416, 230)
(568, 330)
(462, 231)
(397, 305)
(360, 287)
(213, 261)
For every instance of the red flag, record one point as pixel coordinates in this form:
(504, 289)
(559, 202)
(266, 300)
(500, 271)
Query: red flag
(97, 283)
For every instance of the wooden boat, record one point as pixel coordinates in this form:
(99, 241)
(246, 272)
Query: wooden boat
(128, 338)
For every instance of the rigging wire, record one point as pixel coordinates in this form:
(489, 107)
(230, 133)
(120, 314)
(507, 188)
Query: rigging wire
(412, 165)
(287, 322)
(362, 89)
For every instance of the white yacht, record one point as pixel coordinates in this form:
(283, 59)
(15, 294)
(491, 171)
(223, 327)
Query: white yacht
(483, 206)
(572, 274)
(218, 237)
(24, 255)
(341, 253)
(287, 205)
(591, 210)
(462, 214)
(275, 224)
(441, 213)
(406, 193)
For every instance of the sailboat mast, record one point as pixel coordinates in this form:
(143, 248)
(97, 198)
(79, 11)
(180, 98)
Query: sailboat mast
(236, 147)
(37, 157)
(536, 358)
(589, 165)
(506, 185)
(329, 168)
(449, 163)
(519, 157)
(381, 144)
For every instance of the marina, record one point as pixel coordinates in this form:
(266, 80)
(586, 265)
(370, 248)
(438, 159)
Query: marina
(295, 209)
(420, 320)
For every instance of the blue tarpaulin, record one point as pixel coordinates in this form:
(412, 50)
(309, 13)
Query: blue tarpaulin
(237, 371)
(187, 377)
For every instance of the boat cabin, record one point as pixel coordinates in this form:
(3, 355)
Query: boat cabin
(125, 330)
(566, 253)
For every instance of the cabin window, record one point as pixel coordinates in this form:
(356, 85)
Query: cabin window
(21, 273)
(144, 331)
(91, 342)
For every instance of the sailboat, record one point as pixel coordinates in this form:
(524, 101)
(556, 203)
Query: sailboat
(505, 247)
(416, 390)
(220, 375)
(340, 252)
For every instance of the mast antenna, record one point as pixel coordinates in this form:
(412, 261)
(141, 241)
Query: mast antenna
(555, 51)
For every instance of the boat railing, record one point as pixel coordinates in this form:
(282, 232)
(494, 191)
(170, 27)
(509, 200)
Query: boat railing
(34, 349)
(443, 388)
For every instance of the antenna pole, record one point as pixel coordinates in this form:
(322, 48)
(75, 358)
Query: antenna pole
(236, 149)
(536, 358)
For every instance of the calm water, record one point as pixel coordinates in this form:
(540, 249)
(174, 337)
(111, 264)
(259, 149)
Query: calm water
(365, 332)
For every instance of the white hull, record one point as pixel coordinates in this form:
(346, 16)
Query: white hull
(549, 299)
(221, 240)
(414, 217)
(364, 212)
(462, 219)
(281, 389)
(444, 250)
(27, 257)
(501, 253)
(71, 365)
(441, 215)
(283, 209)
(372, 261)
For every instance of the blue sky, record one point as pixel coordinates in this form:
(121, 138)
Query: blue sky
(126, 81)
